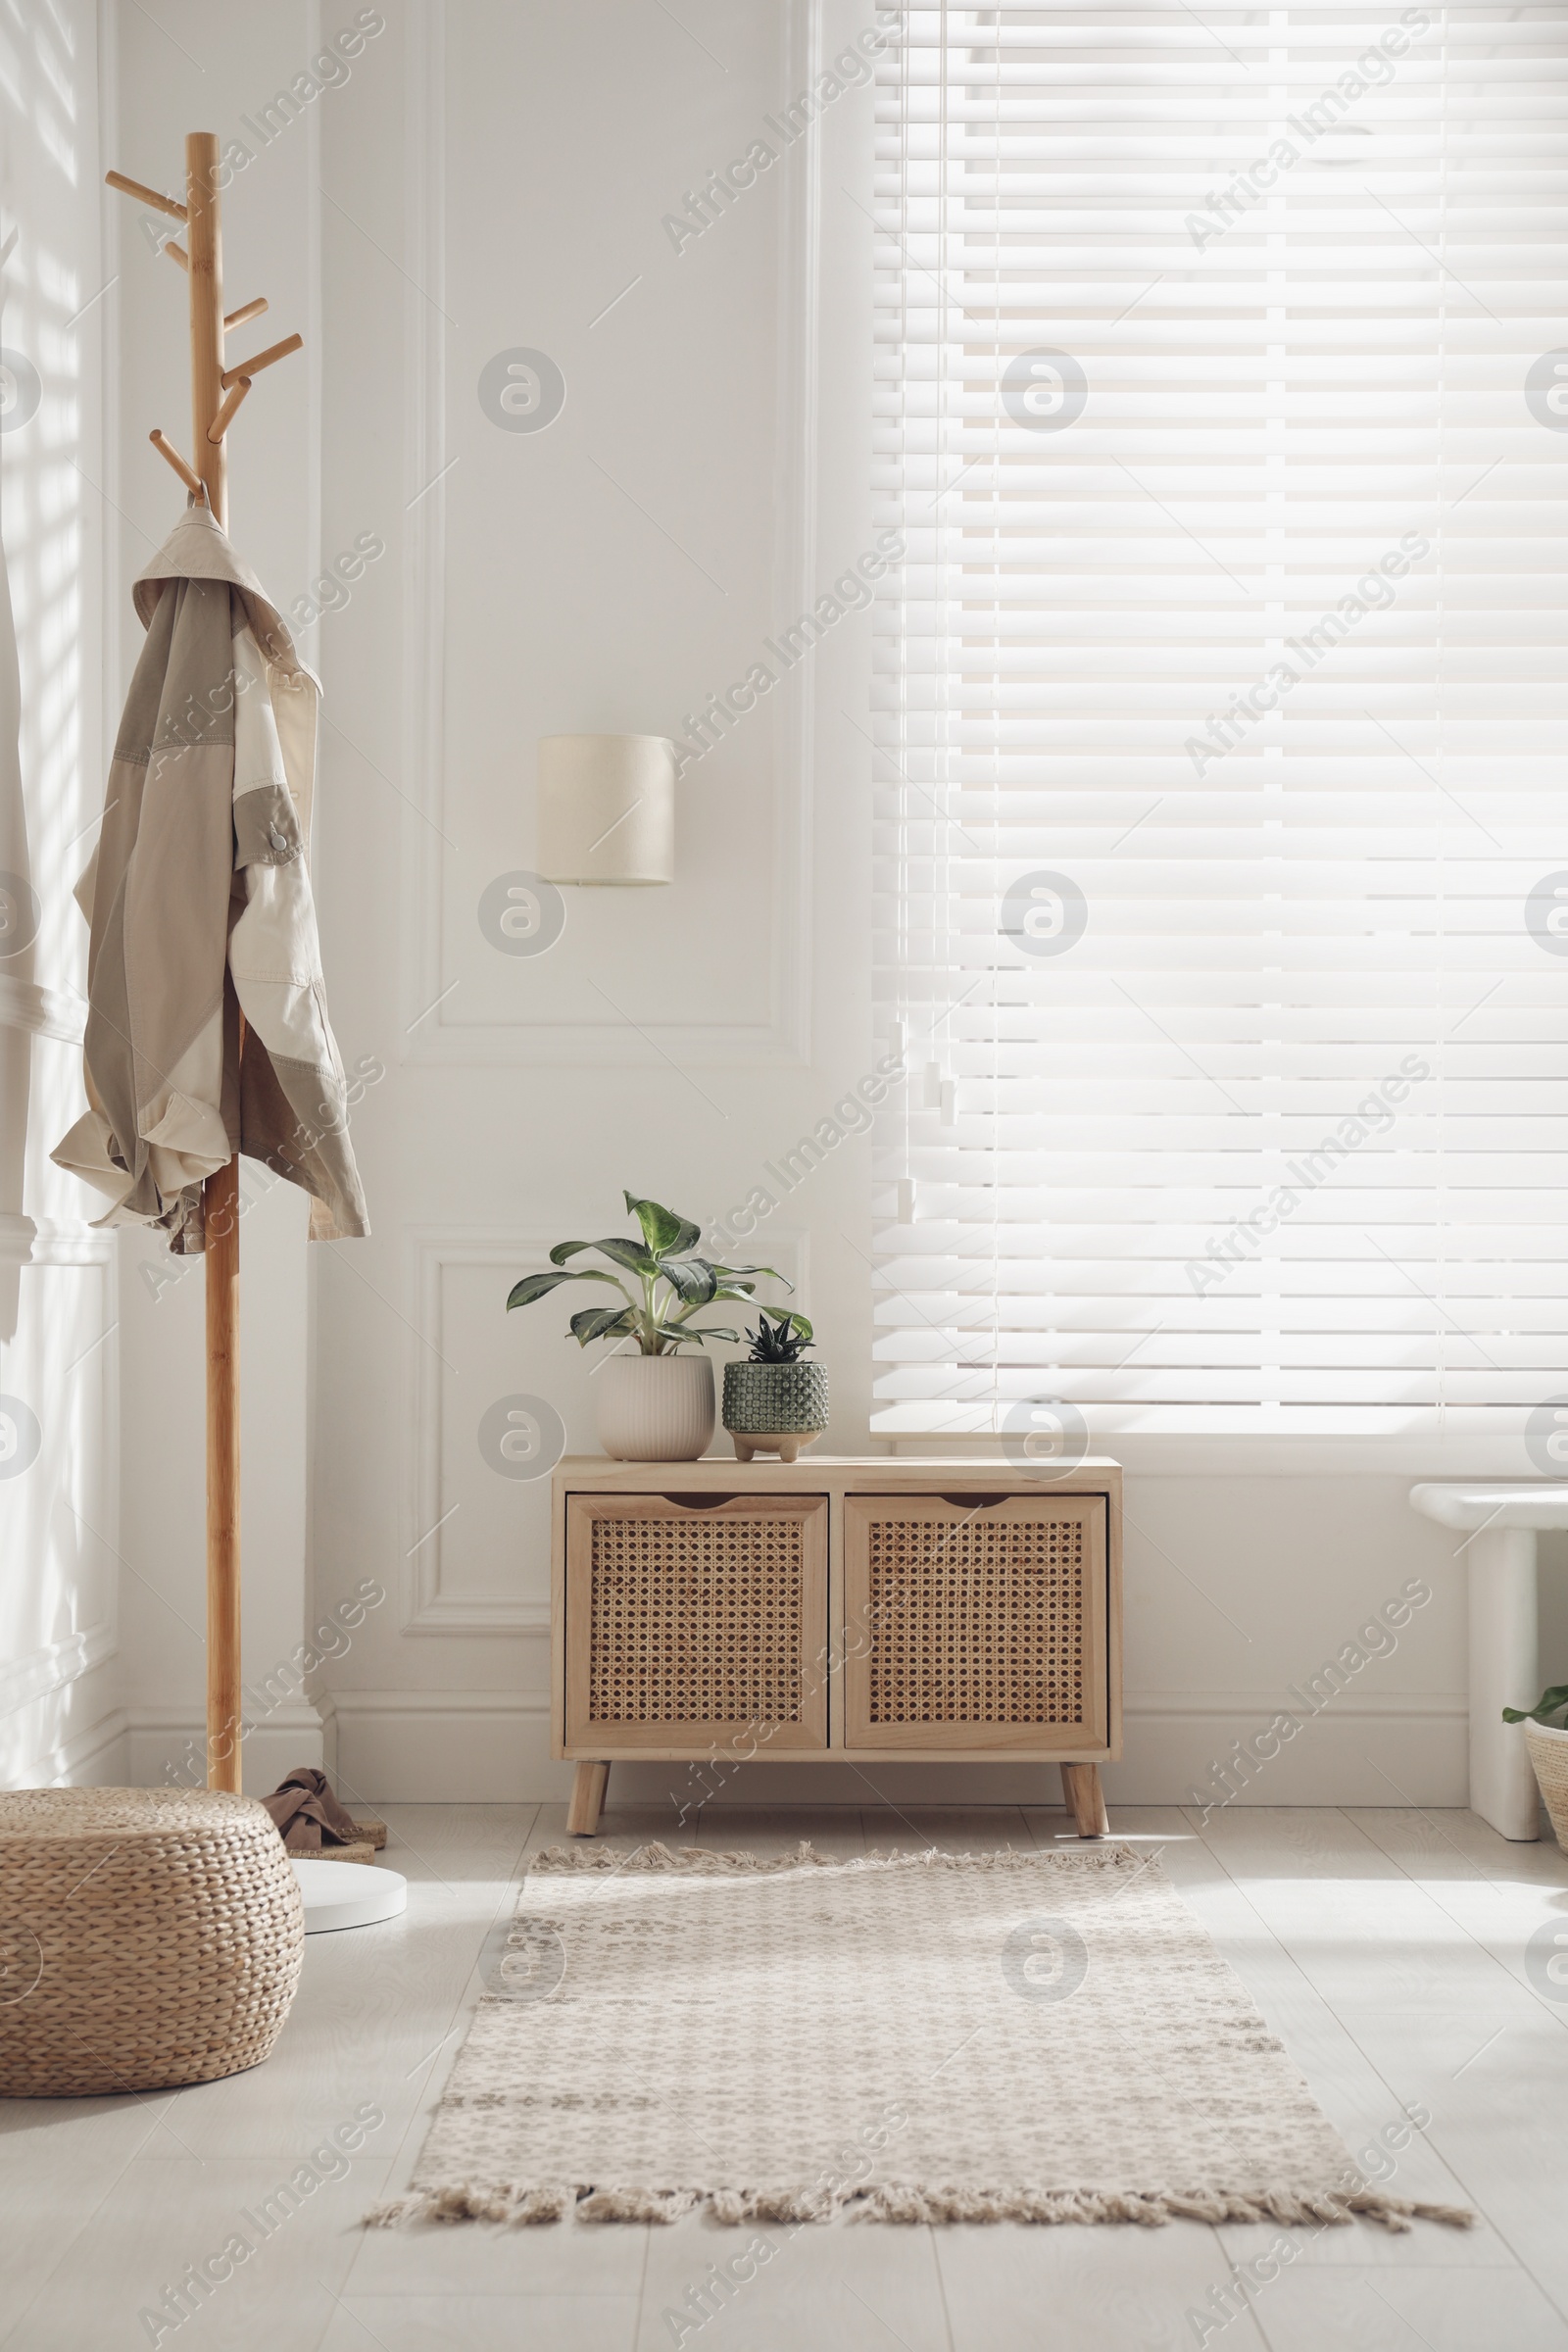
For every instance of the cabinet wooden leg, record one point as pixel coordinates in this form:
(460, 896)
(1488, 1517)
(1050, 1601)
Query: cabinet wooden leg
(1085, 1799)
(587, 1799)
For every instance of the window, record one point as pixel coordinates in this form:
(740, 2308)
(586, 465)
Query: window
(1222, 807)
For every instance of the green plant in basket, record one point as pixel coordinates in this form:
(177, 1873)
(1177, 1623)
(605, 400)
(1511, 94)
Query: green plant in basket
(1551, 1702)
(1546, 1740)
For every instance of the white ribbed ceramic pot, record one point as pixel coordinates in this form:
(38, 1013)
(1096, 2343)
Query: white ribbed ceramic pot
(655, 1408)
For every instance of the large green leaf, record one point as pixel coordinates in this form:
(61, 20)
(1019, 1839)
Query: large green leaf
(743, 1293)
(731, 1273)
(598, 1322)
(626, 1254)
(540, 1286)
(663, 1231)
(676, 1333)
(565, 1250)
(691, 1279)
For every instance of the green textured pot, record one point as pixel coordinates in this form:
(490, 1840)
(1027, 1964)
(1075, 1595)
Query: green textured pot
(775, 1407)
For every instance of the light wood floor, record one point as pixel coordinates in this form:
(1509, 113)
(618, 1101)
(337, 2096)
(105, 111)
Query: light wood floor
(1386, 1947)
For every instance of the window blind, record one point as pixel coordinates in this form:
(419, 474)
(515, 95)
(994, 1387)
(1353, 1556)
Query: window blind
(1221, 831)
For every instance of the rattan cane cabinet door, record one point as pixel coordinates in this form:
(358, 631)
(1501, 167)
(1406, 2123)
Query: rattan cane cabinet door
(694, 1621)
(976, 1624)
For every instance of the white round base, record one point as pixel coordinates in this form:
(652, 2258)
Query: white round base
(348, 1895)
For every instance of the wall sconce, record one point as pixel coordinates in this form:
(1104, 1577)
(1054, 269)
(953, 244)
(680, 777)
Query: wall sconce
(606, 809)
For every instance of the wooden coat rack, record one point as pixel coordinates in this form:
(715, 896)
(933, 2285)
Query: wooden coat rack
(215, 394)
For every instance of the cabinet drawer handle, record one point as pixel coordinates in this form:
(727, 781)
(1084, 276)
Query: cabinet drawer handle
(979, 1502)
(700, 1503)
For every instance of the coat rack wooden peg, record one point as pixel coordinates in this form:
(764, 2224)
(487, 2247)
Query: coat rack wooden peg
(146, 195)
(224, 417)
(216, 393)
(192, 481)
(268, 358)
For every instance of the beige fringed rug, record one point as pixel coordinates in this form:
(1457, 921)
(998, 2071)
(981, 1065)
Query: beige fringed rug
(929, 2037)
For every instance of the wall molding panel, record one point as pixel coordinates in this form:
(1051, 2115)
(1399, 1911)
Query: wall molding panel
(429, 1605)
(434, 1031)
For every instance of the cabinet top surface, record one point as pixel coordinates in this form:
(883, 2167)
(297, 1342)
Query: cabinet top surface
(813, 1469)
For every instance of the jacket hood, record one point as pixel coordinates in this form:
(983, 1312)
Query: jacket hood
(197, 549)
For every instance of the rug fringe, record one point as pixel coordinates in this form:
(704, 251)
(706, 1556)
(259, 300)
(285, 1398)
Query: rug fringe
(637, 2204)
(1397, 2213)
(515, 2202)
(700, 1860)
(518, 2204)
(705, 1862)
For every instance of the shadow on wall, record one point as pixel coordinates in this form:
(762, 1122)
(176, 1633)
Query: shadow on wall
(18, 925)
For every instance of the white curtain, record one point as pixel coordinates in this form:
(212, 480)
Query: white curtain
(58, 1354)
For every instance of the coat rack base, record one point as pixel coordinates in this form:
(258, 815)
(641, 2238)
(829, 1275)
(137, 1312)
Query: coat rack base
(348, 1895)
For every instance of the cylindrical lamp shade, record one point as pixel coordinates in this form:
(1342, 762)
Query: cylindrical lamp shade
(607, 809)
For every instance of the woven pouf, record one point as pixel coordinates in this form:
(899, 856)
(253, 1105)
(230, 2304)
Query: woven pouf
(148, 1937)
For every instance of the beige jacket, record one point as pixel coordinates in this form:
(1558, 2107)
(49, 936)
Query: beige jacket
(199, 900)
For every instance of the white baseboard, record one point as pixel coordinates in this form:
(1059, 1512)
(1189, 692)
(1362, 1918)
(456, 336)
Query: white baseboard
(443, 1748)
(493, 1746)
(1365, 1748)
(168, 1746)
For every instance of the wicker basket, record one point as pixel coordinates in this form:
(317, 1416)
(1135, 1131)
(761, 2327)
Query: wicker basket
(1549, 1754)
(148, 1937)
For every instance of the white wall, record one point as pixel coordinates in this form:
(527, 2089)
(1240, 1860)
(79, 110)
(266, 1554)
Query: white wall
(508, 169)
(486, 178)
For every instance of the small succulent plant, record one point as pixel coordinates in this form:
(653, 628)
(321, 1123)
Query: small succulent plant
(781, 1341)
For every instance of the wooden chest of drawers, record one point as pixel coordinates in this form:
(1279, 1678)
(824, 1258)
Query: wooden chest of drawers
(952, 1611)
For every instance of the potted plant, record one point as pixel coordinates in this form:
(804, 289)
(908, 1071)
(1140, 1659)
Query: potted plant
(1547, 1744)
(774, 1402)
(653, 1405)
